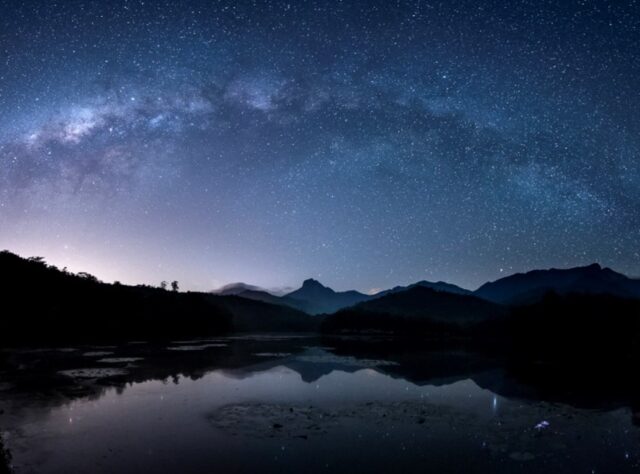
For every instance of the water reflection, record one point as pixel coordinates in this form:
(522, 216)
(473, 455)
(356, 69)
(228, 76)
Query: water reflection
(275, 404)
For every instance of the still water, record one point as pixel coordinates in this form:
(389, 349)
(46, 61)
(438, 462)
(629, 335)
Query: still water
(298, 404)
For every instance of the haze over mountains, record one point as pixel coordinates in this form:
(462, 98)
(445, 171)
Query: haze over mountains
(236, 289)
(239, 287)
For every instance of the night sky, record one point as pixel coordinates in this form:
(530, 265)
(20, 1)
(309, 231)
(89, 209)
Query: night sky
(365, 144)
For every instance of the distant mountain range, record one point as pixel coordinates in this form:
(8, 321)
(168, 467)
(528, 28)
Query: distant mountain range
(55, 305)
(518, 289)
(312, 297)
(315, 298)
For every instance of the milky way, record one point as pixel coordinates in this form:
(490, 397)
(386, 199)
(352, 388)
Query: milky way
(365, 144)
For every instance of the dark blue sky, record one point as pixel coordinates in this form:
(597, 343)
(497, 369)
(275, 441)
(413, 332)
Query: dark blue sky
(365, 144)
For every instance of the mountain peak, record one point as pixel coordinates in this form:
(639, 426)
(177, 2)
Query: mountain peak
(315, 298)
(311, 283)
(593, 266)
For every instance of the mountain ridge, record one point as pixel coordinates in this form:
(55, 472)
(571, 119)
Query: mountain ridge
(525, 287)
(438, 286)
(415, 310)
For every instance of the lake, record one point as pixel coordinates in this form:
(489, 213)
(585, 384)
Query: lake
(270, 403)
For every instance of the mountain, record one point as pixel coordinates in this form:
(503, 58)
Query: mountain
(523, 288)
(252, 292)
(423, 302)
(252, 315)
(261, 295)
(271, 299)
(438, 286)
(418, 309)
(315, 298)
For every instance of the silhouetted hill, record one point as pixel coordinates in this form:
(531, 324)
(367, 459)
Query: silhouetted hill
(416, 309)
(43, 304)
(252, 315)
(256, 293)
(315, 298)
(267, 297)
(438, 286)
(259, 295)
(529, 287)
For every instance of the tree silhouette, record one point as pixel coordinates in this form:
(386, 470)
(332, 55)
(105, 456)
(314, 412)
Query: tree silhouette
(87, 276)
(174, 285)
(163, 285)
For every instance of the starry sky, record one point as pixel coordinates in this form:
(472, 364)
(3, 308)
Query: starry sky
(365, 144)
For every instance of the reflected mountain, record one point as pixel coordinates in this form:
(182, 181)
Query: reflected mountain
(200, 399)
(55, 372)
